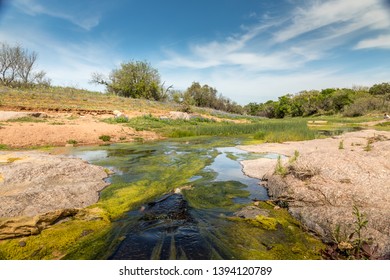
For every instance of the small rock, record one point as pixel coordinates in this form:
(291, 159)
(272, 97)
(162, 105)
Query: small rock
(22, 244)
(38, 115)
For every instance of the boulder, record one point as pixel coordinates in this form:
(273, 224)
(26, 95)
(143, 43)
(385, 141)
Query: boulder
(34, 183)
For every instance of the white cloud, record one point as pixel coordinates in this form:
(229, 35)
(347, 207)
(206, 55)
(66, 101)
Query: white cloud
(325, 14)
(85, 20)
(332, 23)
(382, 42)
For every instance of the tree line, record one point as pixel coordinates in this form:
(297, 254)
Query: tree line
(349, 102)
(17, 66)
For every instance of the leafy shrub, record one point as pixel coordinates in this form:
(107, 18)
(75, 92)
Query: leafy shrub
(72, 141)
(105, 138)
(363, 105)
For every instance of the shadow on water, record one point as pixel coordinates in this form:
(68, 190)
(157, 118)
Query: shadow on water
(165, 230)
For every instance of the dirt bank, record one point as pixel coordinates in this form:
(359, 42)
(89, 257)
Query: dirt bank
(59, 129)
(330, 176)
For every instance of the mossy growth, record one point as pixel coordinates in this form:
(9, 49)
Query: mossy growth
(278, 236)
(216, 195)
(59, 240)
(265, 222)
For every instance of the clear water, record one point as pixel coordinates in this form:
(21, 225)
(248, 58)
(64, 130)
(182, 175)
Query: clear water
(193, 224)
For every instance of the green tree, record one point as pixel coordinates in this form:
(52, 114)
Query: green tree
(203, 96)
(253, 109)
(206, 96)
(341, 98)
(283, 106)
(380, 89)
(135, 79)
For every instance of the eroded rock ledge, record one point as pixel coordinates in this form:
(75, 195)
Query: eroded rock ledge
(328, 178)
(38, 190)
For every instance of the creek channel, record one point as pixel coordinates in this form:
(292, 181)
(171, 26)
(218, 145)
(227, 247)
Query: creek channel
(189, 192)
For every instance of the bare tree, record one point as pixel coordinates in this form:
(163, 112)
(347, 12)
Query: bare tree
(9, 60)
(17, 66)
(25, 66)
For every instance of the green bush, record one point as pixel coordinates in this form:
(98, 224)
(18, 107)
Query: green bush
(363, 105)
(72, 141)
(105, 138)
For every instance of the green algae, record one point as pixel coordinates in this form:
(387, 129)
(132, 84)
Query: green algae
(216, 195)
(58, 241)
(265, 222)
(277, 237)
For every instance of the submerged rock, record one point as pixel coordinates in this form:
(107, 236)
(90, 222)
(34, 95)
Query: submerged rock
(250, 212)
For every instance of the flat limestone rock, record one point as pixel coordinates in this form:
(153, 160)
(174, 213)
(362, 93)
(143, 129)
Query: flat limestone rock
(328, 178)
(34, 183)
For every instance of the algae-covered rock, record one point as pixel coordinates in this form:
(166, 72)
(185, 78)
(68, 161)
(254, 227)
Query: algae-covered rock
(27, 226)
(250, 212)
(275, 235)
(265, 222)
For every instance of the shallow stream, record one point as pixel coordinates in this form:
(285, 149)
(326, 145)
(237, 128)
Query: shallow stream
(176, 200)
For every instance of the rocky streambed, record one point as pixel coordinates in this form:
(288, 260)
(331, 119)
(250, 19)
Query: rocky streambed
(322, 181)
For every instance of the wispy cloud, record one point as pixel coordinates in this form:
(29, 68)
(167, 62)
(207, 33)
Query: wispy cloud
(326, 15)
(86, 21)
(275, 51)
(382, 42)
(330, 24)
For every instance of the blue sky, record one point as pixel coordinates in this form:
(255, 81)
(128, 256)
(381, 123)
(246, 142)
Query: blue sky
(250, 50)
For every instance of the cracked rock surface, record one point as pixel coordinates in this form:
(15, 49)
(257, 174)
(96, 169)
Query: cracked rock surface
(33, 183)
(328, 179)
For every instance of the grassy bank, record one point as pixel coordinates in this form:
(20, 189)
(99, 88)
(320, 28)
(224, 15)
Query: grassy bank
(67, 98)
(255, 128)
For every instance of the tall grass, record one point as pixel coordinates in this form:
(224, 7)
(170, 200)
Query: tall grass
(266, 130)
